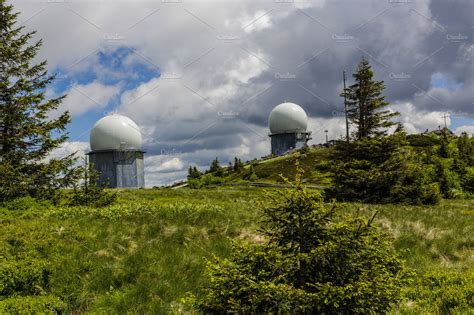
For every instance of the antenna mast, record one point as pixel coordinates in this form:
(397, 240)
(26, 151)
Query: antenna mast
(445, 116)
(345, 106)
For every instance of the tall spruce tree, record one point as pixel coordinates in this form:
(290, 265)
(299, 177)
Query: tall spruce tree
(365, 104)
(27, 134)
(216, 168)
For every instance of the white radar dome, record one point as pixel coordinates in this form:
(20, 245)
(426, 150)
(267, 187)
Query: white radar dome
(288, 118)
(115, 132)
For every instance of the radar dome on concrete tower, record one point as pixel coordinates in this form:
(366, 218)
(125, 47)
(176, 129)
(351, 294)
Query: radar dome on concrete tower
(288, 118)
(115, 132)
(288, 123)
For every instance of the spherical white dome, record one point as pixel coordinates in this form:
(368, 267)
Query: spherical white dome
(287, 118)
(115, 132)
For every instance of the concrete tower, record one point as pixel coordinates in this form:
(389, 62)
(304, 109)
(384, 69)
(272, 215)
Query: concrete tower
(116, 153)
(288, 123)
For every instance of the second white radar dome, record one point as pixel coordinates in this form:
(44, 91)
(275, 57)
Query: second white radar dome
(288, 118)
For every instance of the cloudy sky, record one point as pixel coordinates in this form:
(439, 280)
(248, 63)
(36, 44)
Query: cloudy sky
(201, 77)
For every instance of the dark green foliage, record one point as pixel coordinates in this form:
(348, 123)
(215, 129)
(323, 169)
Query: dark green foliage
(26, 131)
(20, 305)
(315, 260)
(381, 170)
(238, 165)
(216, 168)
(365, 104)
(449, 181)
(467, 181)
(193, 173)
(421, 140)
(91, 192)
(444, 149)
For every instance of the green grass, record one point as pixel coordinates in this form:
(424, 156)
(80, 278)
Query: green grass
(146, 253)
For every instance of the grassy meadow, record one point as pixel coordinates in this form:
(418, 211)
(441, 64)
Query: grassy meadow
(146, 253)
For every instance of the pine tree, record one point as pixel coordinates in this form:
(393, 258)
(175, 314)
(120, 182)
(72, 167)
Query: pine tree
(26, 131)
(238, 165)
(313, 259)
(365, 104)
(216, 168)
(193, 173)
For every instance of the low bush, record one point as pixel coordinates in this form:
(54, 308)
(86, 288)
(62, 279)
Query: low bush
(205, 180)
(20, 305)
(25, 203)
(441, 292)
(30, 276)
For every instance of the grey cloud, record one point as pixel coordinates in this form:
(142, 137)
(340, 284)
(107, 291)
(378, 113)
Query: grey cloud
(210, 65)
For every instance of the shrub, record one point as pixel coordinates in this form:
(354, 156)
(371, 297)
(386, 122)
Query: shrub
(441, 292)
(205, 180)
(46, 304)
(315, 260)
(195, 183)
(23, 277)
(25, 203)
(210, 179)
